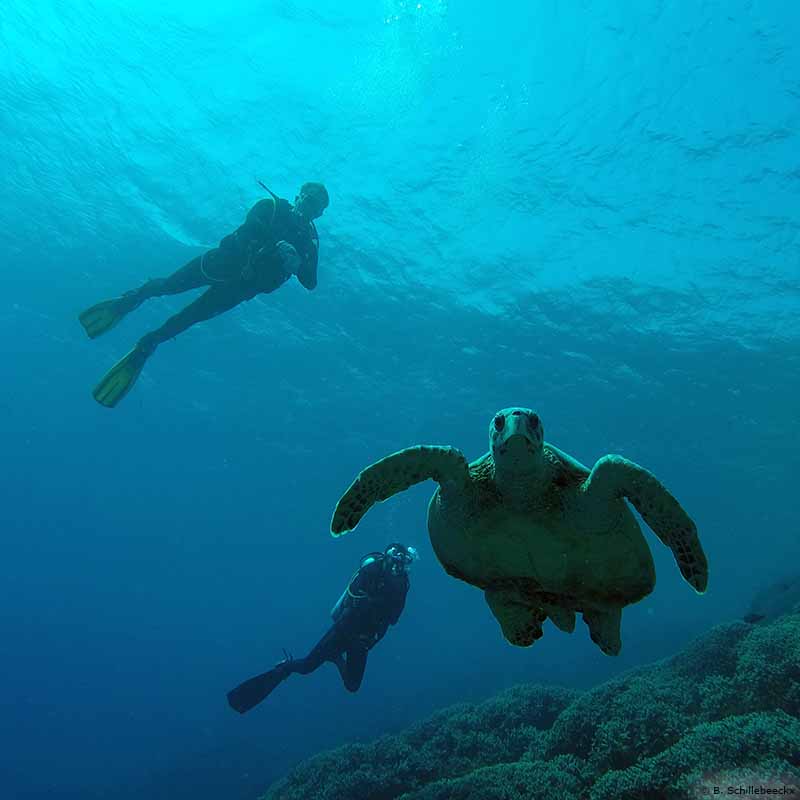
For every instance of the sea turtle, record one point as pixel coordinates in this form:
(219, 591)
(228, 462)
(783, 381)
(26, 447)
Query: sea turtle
(540, 533)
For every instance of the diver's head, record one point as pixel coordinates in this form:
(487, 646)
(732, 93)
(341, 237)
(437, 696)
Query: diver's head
(397, 558)
(311, 200)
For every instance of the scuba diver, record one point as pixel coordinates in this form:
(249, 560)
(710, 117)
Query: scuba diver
(373, 600)
(276, 240)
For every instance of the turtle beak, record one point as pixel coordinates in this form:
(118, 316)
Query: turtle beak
(518, 438)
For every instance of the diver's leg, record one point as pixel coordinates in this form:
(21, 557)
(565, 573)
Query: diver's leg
(328, 648)
(352, 669)
(212, 268)
(200, 271)
(119, 380)
(214, 301)
(189, 276)
(250, 693)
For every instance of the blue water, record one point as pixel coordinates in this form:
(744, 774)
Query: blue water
(590, 209)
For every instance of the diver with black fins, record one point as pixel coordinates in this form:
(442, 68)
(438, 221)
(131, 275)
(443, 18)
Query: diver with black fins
(373, 599)
(276, 240)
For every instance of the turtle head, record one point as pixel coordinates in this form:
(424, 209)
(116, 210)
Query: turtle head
(516, 438)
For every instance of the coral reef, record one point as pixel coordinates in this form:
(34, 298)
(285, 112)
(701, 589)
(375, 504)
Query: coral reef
(723, 710)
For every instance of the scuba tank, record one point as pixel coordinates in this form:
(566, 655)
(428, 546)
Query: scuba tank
(348, 598)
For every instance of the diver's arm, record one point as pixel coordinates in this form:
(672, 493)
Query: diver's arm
(397, 602)
(381, 632)
(398, 605)
(307, 274)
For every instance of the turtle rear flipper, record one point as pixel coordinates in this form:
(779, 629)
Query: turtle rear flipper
(604, 628)
(521, 623)
(562, 618)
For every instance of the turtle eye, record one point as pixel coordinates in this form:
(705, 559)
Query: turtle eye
(534, 418)
(499, 422)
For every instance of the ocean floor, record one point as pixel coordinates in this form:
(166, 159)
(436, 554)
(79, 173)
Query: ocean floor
(718, 719)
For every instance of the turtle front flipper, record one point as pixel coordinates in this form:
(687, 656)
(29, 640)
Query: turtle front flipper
(615, 476)
(521, 623)
(394, 474)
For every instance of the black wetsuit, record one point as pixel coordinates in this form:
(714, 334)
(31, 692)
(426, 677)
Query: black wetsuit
(361, 626)
(224, 269)
(375, 601)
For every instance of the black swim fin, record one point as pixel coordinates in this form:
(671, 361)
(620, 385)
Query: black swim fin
(249, 694)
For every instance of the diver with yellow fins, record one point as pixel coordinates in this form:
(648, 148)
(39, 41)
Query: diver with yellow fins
(373, 599)
(276, 240)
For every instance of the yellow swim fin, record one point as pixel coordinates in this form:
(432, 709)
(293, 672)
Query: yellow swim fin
(119, 380)
(104, 316)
